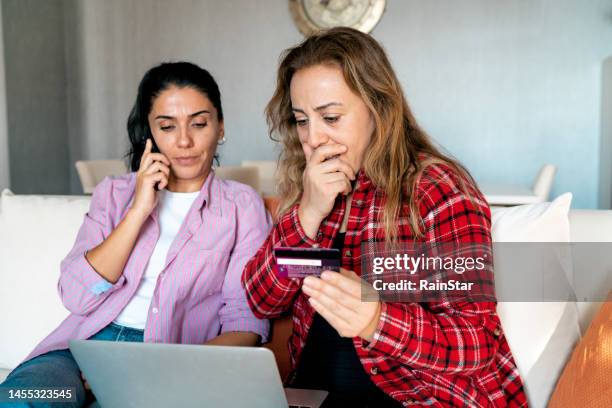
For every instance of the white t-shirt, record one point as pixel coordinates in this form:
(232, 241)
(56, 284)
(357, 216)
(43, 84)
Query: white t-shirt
(173, 207)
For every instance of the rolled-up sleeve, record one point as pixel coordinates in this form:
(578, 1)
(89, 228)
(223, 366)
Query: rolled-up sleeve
(80, 287)
(253, 225)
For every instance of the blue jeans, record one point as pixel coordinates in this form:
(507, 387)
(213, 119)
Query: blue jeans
(59, 369)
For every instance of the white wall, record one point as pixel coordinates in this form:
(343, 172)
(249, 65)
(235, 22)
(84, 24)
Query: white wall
(507, 85)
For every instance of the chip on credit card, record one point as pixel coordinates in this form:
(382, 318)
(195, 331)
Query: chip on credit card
(302, 262)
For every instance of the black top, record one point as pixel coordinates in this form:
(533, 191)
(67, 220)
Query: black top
(329, 362)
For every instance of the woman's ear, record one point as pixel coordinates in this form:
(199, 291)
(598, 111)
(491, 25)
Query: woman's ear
(221, 136)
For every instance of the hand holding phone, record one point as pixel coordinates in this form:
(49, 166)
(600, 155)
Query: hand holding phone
(154, 149)
(152, 175)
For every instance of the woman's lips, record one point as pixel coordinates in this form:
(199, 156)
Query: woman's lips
(186, 161)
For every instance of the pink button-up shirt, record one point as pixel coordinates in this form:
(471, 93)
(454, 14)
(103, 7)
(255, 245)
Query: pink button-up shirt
(198, 293)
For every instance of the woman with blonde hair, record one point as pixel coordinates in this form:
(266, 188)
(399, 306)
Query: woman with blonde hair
(356, 168)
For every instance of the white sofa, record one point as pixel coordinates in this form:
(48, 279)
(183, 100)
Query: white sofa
(36, 232)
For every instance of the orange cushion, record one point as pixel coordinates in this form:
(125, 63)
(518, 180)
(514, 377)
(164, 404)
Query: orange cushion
(272, 203)
(587, 378)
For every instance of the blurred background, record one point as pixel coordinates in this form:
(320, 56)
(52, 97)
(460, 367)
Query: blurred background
(505, 86)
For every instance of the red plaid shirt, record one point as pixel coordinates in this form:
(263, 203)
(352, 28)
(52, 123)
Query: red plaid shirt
(422, 354)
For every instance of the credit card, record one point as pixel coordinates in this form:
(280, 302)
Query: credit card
(302, 262)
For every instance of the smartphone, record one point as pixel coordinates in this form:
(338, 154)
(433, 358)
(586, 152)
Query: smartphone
(154, 149)
(302, 262)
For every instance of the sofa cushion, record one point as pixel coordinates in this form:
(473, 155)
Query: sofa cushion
(36, 232)
(540, 334)
(542, 222)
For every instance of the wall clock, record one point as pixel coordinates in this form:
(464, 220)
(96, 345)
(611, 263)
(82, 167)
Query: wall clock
(313, 15)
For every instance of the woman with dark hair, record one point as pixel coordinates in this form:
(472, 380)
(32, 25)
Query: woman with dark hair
(161, 250)
(356, 170)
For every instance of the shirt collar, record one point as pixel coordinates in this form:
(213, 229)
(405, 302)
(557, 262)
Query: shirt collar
(363, 181)
(203, 200)
(207, 199)
(210, 194)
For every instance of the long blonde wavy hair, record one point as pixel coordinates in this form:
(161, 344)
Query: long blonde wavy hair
(399, 149)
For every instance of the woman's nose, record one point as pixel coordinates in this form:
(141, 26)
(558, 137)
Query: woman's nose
(184, 138)
(316, 136)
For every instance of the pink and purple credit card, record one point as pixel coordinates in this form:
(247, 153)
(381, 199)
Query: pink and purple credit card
(302, 262)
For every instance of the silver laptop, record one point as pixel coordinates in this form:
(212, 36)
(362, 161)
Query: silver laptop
(125, 374)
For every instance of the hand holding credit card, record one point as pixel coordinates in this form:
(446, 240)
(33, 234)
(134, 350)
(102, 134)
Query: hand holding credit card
(302, 262)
